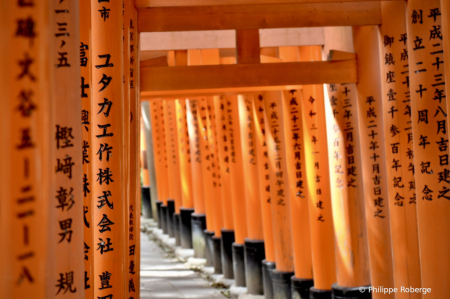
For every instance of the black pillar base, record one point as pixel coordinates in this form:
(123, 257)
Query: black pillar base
(338, 292)
(164, 219)
(209, 248)
(146, 204)
(227, 253)
(239, 265)
(159, 213)
(300, 287)
(176, 229)
(319, 294)
(267, 268)
(281, 284)
(170, 212)
(254, 255)
(186, 227)
(198, 235)
(217, 253)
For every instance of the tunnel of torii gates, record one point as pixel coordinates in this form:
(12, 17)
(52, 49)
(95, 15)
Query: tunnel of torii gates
(300, 147)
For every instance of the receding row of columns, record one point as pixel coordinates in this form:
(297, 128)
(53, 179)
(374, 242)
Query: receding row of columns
(328, 190)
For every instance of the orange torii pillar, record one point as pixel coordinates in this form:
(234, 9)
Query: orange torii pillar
(217, 186)
(371, 136)
(430, 142)
(174, 203)
(279, 194)
(132, 119)
(151, 164)
(187, 204)
(198, 218)
(237, 190)
(254, 243)
(299, 193)
(168, 106)
(227, 232)
(268, 264)
(86, 134)
(65, 225)
(145, 188)
(107, 143)
(396, 101)
(24, 199)
(207, 175)
(159, 153)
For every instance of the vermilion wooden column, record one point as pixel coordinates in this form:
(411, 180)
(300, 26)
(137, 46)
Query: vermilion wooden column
(146, 197)
(369, 98)
(228, 237)
(279, 193)
(65, 271)
(237, 189)
(254, 243)
(25, 199)
(133, 207)
(430, 145)
(108, 162)
(207, 175)
(86, 130)
(396, 100)
(159, 153)
(187, 206)
(198, 218)
(217, 186)
(264, 184)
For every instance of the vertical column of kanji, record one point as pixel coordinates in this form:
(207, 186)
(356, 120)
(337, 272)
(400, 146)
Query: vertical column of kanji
(198, 218)
(268, 264)
(299, 187)
(371, 138)
(187, 204)
(24, 104)
(207, 173)
(254, 243)
(396, 100)
(169, 166)
(132, 121)
(217, 186)
(221, 114)
(157, 125)
(162, 155)
(430, 142)
(279, 193)
(86, 98)
(237, 190)
(65, 245)
(345, 176)
(107, 142)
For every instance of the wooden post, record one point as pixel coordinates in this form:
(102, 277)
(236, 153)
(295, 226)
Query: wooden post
(228, 237)
(207, 172)
(86, 134)
(198, 218)
(429, 125)
(279, 194)
(187, 206)
(217, 186)
(254, 243)
(396, 100)
(25, 200)
(108, 163)
(247, 46)
(132, 121)
(264, 184)
(65, 271)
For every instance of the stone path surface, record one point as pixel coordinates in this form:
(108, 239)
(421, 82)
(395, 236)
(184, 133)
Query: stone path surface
(166, 277)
